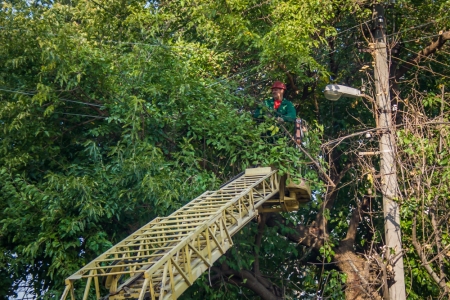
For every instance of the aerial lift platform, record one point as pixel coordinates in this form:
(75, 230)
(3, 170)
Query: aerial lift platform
(164, 257)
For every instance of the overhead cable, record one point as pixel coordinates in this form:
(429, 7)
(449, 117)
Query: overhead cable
(34, 93)
(80, 115)
(228, 78)
(421, 67)
(246, 87)
(355, 26)
(415, 27)
(421, 38)
(427, 57)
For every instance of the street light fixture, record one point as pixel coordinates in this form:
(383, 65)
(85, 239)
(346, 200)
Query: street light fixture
(334, 91)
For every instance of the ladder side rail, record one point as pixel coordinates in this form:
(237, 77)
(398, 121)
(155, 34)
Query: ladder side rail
(124, 242)
(222, 241)
(204, 230)
(234, 193)
(206, 224)
(236, 226)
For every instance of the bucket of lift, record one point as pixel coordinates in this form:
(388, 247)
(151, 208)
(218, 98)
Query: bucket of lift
(293, 193)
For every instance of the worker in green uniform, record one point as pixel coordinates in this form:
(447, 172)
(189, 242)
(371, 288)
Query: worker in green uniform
(277, 106)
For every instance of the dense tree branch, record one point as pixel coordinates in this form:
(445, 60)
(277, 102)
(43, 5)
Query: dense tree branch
(331, 195)
(258, 239)
(319, 168)
(309, 236)
(291, 81)
(261, 286)
(306, 91)
(349, 240)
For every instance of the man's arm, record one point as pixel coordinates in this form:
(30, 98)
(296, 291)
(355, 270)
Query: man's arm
(290, 113)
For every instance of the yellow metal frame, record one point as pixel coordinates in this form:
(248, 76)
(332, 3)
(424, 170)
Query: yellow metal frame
(164, 257)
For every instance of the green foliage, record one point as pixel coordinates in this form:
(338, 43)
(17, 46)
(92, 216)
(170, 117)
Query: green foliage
(115, 112)
(109, 120)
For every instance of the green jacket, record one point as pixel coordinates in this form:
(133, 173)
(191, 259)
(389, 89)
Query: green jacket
(285, 111)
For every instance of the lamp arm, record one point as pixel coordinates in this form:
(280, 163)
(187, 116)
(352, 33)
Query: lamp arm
(367, 97)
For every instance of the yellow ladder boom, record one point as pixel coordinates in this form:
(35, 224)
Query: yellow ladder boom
(164, 257)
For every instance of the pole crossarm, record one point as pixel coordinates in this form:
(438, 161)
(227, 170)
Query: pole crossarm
(164, 257)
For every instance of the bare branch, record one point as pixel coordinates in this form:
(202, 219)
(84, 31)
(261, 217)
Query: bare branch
(263, 287)
(440, 281)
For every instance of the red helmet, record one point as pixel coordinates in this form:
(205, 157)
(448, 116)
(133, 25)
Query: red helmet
(278, 85)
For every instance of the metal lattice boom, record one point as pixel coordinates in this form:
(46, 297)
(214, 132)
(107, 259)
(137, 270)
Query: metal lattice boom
(164, 257)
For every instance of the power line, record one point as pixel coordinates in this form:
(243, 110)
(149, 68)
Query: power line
(440, 50)
(122, 42)
(34, 93)
(352, 44)
(336, 50)
(421, 67)
(81, 115)
(228, 78)
(421, 38)
(185, 47)
(180, 47)
(411, 28)
(246, 87)
(194, 48)
(396, 33)
(153, 45)
(355, 26)
(427, 57)
(191, 47)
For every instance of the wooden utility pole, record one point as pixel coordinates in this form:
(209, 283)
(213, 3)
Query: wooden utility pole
(389, 184)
